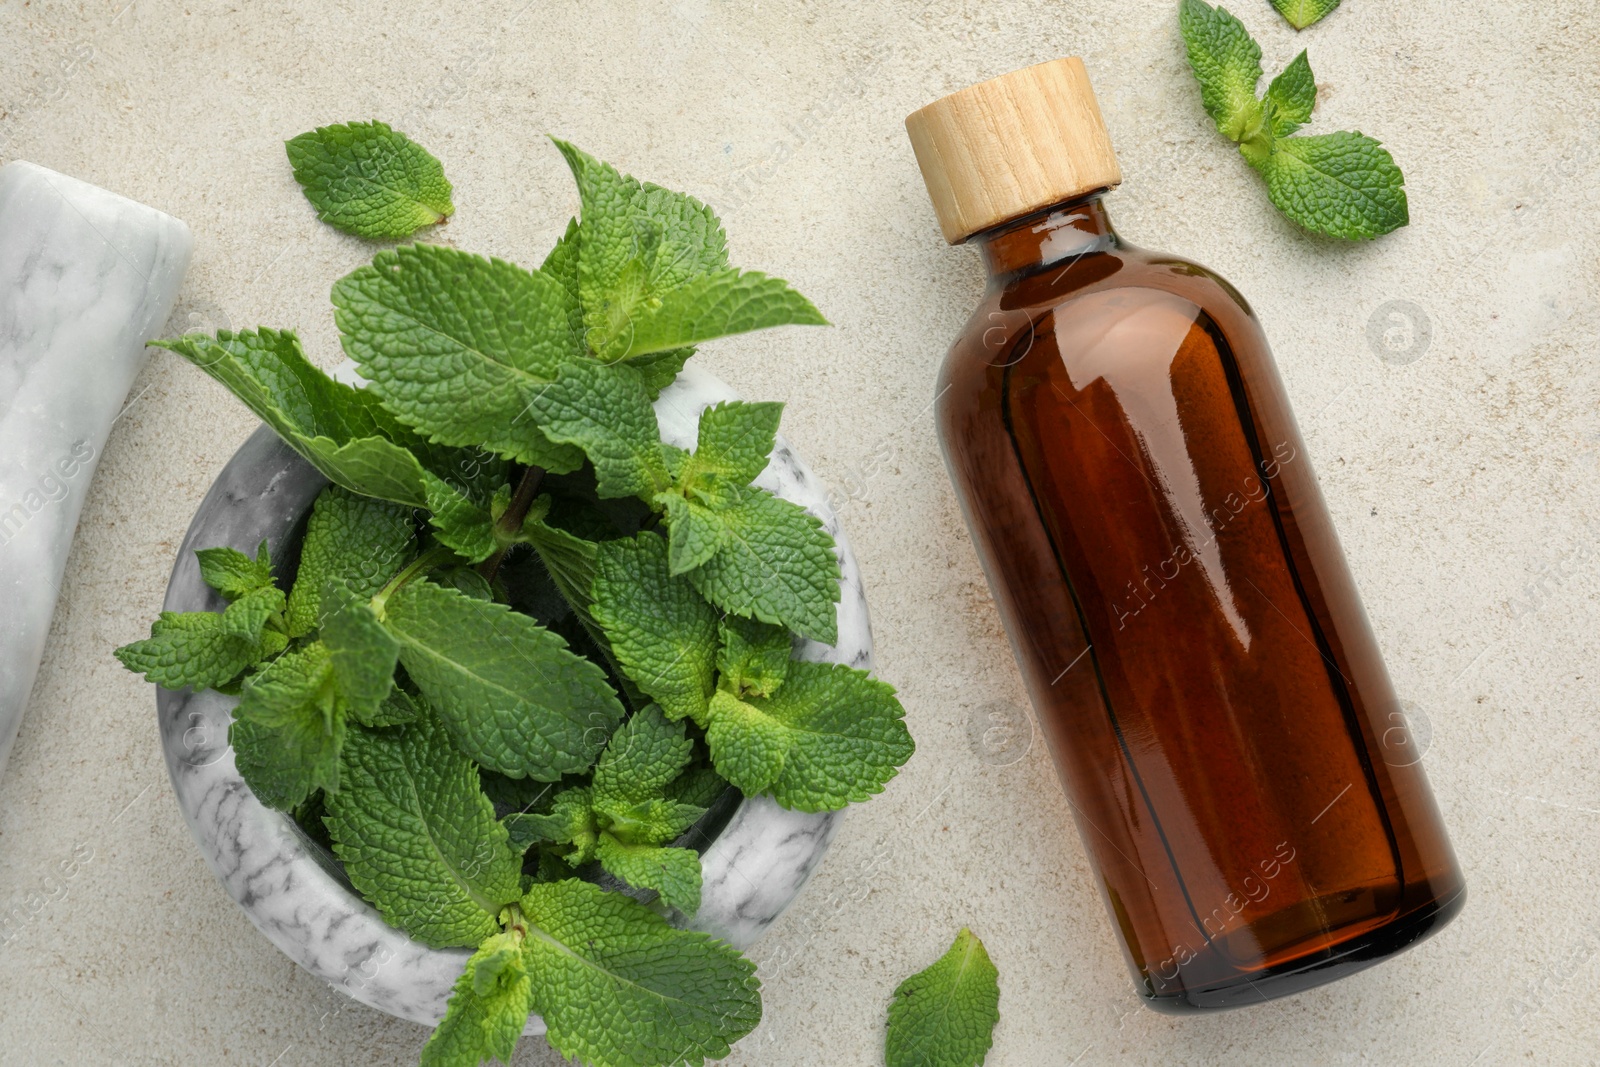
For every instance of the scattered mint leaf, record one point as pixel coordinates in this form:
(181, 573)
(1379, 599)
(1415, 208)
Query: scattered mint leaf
(753, 659)
(369, 180)
(234, 574)
(289, 728)
(458, 346)
(775, 563)
(674, 873)
(1303, 13)
(945, 1016)
(713, 305)
(1341, 184)
(831, 735)
(1227, 62)
(489, 1006)
(358, 540)
(618, 986)
(1291, 96)
(190, 649)
(513, 696)
(694, 532)
(661, 630)
(417, 836)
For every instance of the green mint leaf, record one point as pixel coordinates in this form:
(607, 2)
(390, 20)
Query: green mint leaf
(512, 694)
(1340, 184)
(1292, 96)
(362, 655)
(1227, 63)
(369, 180)
(714, 305)
(605, 410)
(753, 657)
(358, 540)
(190, 649)
(457, 345)
(1303, 13)
(694, 532)
(417, 836)
(234, 574)
(661, 630)
(674, 873)
(289, 728)
(249, 615)
(776, 563)
(945, 1016)
(658, 369)
(735, 439)
(397, 709)
(562, 265)
(830, 736)
(570, 821)
(458, 522)
(619, 987)
(489, 1006)
(341, 431)
(642, 758)
(637, 240)
(697, 787)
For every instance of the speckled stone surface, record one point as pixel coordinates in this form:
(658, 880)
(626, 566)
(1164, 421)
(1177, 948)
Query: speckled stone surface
(291, 889)
(1445, 379)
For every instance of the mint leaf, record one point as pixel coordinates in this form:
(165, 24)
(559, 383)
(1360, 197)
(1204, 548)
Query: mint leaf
(562, 265)
(661, 630)
(1302, 13)
(830, 736)
(570, 821)
(753, 659)
(1227, 63)
(417, 836)
(511, 693)
(343, 432)
(694, 532)
(641, 760)
(605, 410)
(945, 1016)
(289, 728)
(637, 241)
(249, 615)
(618, 986)
(775, 563)
(714, 305)
(735, 439)
(489, 1006)
(190, 649)
(1341, 184)
(674, 873)
(359, 540)
(362, 655)
(458, 522)
(1292, 96)
(234, 574)
(369, 180)
(457, 346)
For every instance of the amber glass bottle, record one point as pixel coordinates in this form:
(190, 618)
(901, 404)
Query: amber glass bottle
(1175, 593)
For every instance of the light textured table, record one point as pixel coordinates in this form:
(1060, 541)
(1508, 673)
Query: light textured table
(1465, 483)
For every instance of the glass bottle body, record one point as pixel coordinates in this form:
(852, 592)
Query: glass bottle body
(1194, 646)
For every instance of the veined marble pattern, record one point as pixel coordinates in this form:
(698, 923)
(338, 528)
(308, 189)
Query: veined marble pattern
(86, 278)
(290, 888)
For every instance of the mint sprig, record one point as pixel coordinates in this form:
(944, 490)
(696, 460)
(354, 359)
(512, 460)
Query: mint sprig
(369, 180)
(1343, 185)
(527, 641)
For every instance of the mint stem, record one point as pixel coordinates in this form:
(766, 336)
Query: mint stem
(510, 523)
(427, 561)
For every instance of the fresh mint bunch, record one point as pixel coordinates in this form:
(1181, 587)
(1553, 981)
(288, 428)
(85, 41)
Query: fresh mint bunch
(527, 642)
(369, 180)
(1303, 13)
(945, 1016)
(1340, 184)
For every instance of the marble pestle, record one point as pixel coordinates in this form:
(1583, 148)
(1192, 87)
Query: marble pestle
(86, 278)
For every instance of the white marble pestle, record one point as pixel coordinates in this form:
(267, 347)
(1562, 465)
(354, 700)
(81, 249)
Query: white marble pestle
(86, 278)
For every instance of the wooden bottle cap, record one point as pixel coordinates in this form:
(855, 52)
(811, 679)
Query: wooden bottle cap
(1011, 146)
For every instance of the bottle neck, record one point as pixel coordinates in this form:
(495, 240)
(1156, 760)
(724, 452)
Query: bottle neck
(1066, 231)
